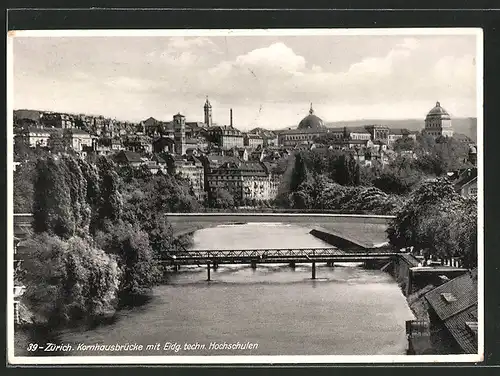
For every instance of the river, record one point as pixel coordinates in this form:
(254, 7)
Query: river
(272, 310)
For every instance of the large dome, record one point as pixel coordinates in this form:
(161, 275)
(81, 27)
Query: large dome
(438, 111)
(311, 121)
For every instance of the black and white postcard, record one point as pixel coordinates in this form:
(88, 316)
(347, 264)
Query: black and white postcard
(245, 196)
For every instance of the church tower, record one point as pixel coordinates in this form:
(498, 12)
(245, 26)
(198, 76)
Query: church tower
(180, 134)
(208, 113)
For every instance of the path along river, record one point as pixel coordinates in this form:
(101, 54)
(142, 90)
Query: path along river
(272, 310)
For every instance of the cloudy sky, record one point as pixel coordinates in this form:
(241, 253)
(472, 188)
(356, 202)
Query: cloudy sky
(269, 81)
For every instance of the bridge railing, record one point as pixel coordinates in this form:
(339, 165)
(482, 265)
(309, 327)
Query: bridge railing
(278, 253)
(249, 253)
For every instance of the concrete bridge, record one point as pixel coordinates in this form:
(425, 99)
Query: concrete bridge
(341, 230)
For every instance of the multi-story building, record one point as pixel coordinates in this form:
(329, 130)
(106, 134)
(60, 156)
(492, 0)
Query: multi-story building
(226, 137)
(36, 136)
(138, 143)
(130, 158)
(57, 120)
(398, 134)
(312, 128)
(78, 140)
(150, 126)
(253, 140)
(163, 144)
(438, 122)
(191, 168)
(240, 153)
(244, 180)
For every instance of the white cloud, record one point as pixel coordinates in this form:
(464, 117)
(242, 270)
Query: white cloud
(277, 55)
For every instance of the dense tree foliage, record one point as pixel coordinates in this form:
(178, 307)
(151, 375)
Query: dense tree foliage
(318, 192)
(221, 198)
(69, 280)
(109, 203)
(52, 209)
(23, 179)
(131, 246)
(94, 209)
(438, 221)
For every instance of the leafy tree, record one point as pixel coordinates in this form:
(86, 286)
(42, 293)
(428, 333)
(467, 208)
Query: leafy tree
(69, 280)
(299, 173)
(346, 170)
(109, 206)
(24, 187)
(222, 199)
(399, 177)
(405, 144)
(52, 208)
(403, 230)
(77, 184)
(135, 258)
(58, 143)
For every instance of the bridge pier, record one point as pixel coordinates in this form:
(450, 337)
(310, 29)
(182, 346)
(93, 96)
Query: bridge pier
(313, 270)
(292, 264)
(254, 264)
(208, 271)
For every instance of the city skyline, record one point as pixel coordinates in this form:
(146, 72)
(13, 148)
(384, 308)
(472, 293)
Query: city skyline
(268, 80)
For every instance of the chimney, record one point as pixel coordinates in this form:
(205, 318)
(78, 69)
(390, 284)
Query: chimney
(230, 117)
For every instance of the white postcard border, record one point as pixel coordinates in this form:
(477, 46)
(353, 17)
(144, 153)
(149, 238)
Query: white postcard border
(279, 359)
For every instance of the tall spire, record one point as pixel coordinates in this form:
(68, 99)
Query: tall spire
(207, 112)
(311, 111)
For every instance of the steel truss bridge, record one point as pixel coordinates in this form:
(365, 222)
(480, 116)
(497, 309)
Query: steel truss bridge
(214, 257)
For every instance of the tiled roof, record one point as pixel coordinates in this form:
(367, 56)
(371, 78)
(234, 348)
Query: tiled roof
(130, 156)
(463, 288)
(462, 137)
(459, 329)
(399, 131)
(44, 130)
(465, 177)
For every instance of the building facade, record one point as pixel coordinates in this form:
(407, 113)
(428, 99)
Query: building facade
(253, 140)
(244, 180)
(438, 122)
(190, 168)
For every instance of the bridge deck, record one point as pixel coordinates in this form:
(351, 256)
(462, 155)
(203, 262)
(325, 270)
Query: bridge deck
(246, 256)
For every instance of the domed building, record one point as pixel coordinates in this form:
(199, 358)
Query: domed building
(311, 121)
(438, 122)
(308, 129)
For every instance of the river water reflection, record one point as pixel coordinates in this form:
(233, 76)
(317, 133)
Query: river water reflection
(347, 310)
